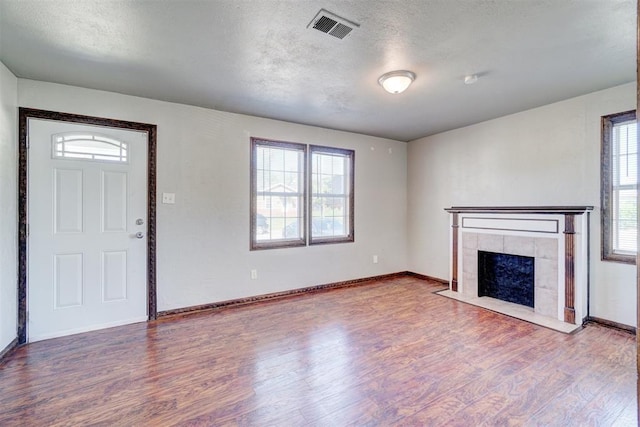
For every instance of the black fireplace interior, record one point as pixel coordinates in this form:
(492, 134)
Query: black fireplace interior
(506, 277)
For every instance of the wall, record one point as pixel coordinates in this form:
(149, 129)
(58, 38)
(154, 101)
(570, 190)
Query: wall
(203, 157)
(8, 206)
(545, 156)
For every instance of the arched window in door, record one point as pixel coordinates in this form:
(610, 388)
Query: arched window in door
(89, 147)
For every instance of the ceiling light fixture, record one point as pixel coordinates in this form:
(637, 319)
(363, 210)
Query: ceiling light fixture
(470, 79)
(396, 81)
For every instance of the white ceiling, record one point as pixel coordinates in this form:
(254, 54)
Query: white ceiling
(258, 57)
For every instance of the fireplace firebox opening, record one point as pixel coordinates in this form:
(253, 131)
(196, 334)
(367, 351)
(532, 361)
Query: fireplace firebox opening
(506, 277)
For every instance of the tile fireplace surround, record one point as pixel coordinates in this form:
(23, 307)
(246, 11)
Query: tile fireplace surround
(556, 237)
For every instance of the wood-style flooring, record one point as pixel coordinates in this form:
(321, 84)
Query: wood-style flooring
(386, 353)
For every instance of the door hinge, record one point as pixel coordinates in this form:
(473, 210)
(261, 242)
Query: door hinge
(27, 230)
(27, 141)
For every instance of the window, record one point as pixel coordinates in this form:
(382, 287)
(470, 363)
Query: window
(279, 194)
(88, 147)
(331, 195)
(619, 187)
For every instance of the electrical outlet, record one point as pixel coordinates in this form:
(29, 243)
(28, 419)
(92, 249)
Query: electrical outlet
(375, 259)
(254, 274)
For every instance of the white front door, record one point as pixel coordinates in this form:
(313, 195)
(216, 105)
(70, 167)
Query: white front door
(87, 226)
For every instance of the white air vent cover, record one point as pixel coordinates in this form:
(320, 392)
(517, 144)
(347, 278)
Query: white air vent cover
(332, 24)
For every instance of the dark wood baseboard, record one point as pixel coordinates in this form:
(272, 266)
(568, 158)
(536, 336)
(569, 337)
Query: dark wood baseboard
(425, 277)
(293, 292)
(611, 324)
(8, 349)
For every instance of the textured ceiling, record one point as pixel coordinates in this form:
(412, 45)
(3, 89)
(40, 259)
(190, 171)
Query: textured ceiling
(258, 57)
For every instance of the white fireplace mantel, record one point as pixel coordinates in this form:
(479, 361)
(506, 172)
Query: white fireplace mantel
(555, 236)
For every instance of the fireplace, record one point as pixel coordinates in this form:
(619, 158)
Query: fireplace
(535, 257)
(506, 277)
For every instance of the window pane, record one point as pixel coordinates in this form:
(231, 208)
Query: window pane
(326, 164)
(276, 180)
(277, 227)
(278, 198)
(625, 172)
(619, 187)
(330, 198)
(625, 219)
(260, 183)
(337, 184)
(292, 182)
(291, 161)
(293, 230)
(339, 165)
(625, 157)
(259, 160)
(88, 147)
(277, 159)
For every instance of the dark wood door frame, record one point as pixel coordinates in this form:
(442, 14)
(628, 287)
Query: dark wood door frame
(24, 115)
(638, 192)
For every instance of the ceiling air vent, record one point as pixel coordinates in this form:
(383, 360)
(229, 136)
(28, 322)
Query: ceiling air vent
(332, 24)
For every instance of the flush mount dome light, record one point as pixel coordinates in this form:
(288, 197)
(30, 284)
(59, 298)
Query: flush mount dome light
(396, 81)
(470, 79)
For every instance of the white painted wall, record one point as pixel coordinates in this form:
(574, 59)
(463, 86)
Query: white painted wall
(203, 157)
(8, 206)
(545, 156)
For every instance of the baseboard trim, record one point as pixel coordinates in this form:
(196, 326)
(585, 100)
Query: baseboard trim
(294, 292)
(8, 349)
(425, 277)
(611, 324)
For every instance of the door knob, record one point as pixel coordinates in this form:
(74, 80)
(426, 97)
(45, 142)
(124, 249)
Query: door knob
(139, 235)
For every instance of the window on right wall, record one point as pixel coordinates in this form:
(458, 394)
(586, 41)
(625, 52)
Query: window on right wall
(619, 175)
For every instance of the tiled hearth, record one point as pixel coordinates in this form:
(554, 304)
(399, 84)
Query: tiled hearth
(543, 250)
(556, 238)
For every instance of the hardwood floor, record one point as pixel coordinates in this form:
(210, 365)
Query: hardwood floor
(387, 353)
